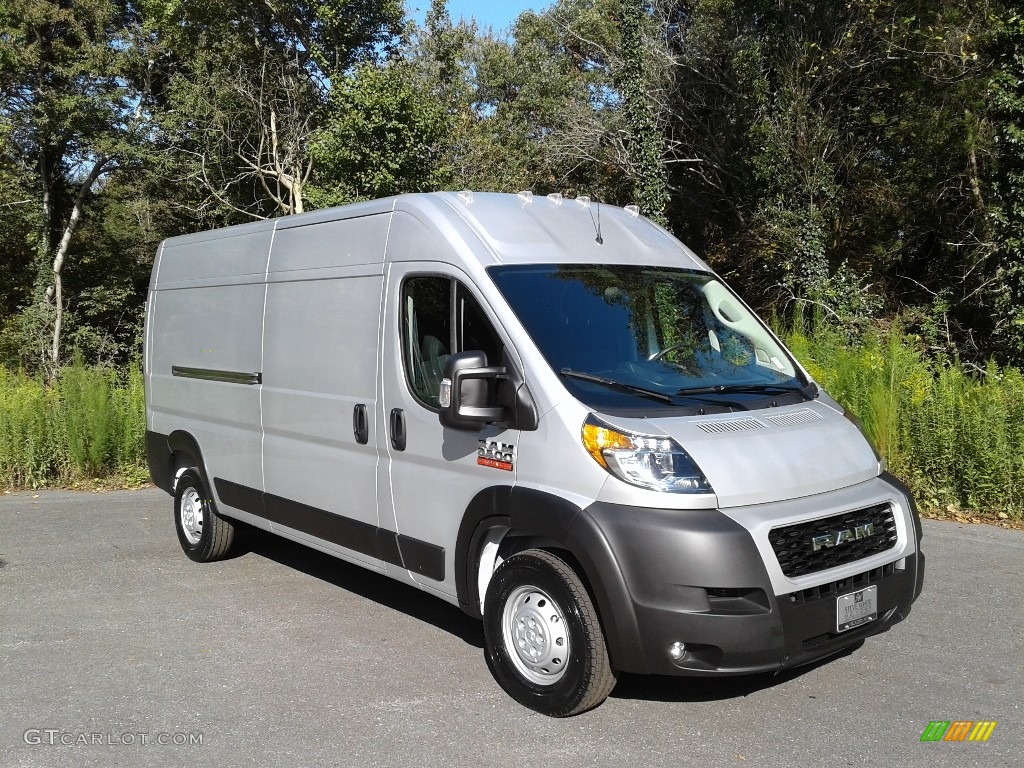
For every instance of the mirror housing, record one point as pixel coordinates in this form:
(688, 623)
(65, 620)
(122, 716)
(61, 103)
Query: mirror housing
(469, 392)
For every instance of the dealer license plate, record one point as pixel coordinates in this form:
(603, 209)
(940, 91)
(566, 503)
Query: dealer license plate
(856, 608)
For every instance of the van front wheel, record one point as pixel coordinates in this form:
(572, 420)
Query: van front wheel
(543, 639)
(204, 535)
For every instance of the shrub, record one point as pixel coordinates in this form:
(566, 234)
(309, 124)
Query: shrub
(955, 436)
(88, 423)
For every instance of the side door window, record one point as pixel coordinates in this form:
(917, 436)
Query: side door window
(439, 318)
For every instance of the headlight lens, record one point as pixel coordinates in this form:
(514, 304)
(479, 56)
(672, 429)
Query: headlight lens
(647, 461)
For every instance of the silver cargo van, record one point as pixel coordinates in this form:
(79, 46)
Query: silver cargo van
(545, 411)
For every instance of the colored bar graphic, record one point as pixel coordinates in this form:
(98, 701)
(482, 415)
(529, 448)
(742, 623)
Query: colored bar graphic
(958, 730)
(982, 730)
(935, 730)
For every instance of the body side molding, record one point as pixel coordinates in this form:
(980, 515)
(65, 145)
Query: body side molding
(421, 557)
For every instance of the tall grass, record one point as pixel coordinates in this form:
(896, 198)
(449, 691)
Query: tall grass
(87, 424)
(956, 437)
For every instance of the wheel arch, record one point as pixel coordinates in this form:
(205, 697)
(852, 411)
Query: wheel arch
(523, 518)
(186, 454)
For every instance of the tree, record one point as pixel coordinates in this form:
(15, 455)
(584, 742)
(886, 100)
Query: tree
(74, 108)
(548, 110)
(844, 157)
(383, 137)
(1006, 111)
(644, 141)
(247, 85)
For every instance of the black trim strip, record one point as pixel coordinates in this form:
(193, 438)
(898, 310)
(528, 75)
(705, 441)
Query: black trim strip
(421, 557)
(209, 374)
(240, 497)
(158, 457)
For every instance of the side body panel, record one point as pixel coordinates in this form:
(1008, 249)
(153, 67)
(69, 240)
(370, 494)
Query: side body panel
(321, 364)
(205, 319)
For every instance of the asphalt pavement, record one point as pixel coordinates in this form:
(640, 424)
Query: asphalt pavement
(115, 649)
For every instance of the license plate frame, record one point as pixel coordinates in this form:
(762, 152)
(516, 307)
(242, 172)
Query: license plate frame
(855, 609)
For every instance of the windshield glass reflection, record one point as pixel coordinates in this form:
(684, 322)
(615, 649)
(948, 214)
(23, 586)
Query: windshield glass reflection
(619, 334)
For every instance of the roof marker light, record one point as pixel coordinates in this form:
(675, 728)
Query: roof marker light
(526, 196)
(583, 200)
(633, 210)
(467, 196)
(556, 198)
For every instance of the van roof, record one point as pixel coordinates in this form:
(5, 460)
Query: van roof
(514, 229)
(524, 228)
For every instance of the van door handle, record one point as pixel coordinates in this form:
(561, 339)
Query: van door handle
(360, 424)
(398, 429)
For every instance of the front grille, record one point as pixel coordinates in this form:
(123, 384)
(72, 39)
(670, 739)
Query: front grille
(794, 544)
(834, 589)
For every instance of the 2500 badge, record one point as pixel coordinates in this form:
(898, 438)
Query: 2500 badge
(491, 453)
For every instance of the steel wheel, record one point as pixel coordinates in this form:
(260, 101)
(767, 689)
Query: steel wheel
(534, 627)
(191, 512)
(542, 636)
(203, 534)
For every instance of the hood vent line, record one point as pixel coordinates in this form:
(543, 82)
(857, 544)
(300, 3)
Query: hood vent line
(721, 426)
(793, 418)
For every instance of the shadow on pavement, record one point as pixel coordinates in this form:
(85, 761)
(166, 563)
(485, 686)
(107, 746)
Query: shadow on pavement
(696, 689)
(422, 607)
(365, 583)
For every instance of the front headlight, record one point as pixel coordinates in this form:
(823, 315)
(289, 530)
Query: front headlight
(647, 461)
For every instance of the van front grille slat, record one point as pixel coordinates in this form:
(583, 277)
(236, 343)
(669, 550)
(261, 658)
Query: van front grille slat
(840, 539)
(833, 589)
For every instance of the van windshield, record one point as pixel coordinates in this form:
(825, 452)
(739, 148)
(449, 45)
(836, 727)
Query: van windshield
(624, 336)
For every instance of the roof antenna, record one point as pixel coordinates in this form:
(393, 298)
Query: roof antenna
(597, 224)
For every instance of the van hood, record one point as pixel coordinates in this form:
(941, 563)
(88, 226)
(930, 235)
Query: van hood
(773, 454)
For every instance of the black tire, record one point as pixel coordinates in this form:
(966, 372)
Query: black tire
(535, 607)
(204, 535)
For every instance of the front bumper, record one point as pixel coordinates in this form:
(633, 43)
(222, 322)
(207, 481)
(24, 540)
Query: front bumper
(698, 578)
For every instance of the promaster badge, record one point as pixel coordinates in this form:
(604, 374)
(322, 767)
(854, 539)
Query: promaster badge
(491, 453)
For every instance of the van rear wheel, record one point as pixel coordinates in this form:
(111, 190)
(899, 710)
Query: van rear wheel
(543, 639)
(204, 535)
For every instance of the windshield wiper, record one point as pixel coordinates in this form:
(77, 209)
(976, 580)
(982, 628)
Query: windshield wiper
(810, 391)
(621, 386)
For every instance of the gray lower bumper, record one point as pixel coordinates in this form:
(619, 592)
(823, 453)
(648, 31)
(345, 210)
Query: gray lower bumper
(697, 578)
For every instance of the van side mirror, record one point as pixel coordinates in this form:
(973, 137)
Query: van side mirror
(469, 391)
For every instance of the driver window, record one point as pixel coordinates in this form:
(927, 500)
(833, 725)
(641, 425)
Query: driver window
(475, 330)
(440, 317)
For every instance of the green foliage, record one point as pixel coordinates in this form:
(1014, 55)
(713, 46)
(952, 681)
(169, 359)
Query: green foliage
(645, 141)
(24, 339)
(382, 140)
(73, 111)
(1006, 109)
(845, 140)
(87, 417)
(88, 423)
(33, 450)
(955, 437)
(244, 86)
